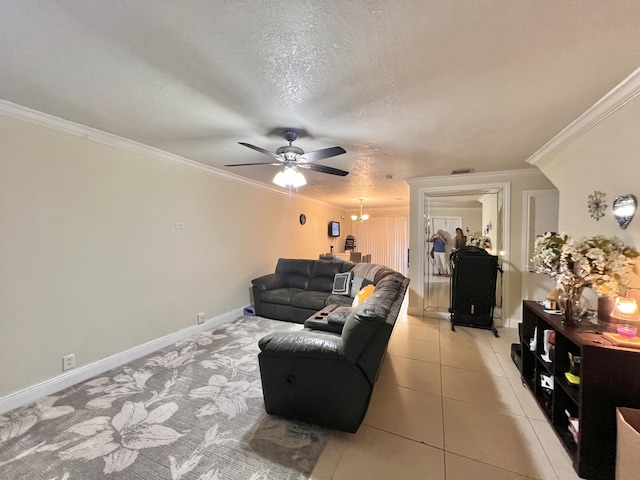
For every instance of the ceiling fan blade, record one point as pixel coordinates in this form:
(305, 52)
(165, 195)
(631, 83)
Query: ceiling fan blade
(320, 154)
(323, 168)
(250, 164)
(261, 150)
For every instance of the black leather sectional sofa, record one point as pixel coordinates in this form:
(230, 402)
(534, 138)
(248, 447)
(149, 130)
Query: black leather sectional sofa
(319, 375)
(298, 289)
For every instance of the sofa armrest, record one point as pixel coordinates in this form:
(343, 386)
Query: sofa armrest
(303, 344)
(322, 325)
(270, 281)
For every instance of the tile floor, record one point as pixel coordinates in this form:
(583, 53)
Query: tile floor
(448, 405)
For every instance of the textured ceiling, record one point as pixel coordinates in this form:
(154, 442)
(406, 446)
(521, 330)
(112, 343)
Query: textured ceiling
(408, 88)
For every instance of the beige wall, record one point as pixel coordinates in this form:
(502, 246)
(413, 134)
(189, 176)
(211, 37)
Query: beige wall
(92, 263)
(490, 216)
(606, 158)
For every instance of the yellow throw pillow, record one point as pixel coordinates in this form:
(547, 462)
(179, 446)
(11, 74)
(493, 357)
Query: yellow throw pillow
(363, 294)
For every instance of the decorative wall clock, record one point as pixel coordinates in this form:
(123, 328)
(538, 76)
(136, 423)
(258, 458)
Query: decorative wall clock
(596, 205)
(303, 219)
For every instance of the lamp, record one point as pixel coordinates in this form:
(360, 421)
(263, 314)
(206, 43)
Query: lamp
(625, 310)
(362, 218)
(289, 177)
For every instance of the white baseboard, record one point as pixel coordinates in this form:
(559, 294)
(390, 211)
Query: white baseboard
(512, 323)
(85, 372)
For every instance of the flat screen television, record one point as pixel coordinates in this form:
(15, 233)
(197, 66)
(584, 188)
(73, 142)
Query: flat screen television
(334, 229)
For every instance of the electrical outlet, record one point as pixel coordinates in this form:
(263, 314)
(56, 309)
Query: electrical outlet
(68, 362)
(200, 318)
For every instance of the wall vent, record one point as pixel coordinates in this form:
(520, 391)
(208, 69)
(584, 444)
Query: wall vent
(460, 171)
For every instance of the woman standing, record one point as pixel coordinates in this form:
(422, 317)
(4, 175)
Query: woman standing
(439, 250)
(460, 239)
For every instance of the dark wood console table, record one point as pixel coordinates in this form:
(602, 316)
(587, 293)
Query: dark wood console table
(609, 378)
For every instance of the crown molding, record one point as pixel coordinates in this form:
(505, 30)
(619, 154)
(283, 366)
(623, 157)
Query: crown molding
(470, 178)
(623, 93)
(26, 114)
(379, 211)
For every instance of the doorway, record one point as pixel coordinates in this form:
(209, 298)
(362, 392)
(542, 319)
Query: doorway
(437, 286)
(481, 210)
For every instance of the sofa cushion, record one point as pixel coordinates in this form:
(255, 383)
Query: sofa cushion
(357, 283)
(362, 324)
(309, 300)
(294, 266)
(296, 272)
(367, 270)
(323, 274)
(281, 296)
(340, 300)
(395, 278)
(383, 273)
(341, 284)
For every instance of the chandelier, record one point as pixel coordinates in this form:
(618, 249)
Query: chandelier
(362, 218)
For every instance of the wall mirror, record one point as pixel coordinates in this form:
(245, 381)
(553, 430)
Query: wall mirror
(471, 209)
(624, 208)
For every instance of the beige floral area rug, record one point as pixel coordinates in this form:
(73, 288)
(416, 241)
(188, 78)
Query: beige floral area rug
(190, 411)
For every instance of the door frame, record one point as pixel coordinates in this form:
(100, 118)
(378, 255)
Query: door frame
(504, 261)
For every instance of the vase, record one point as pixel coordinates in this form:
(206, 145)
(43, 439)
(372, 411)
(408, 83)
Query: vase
(605, 305)
(571, 303)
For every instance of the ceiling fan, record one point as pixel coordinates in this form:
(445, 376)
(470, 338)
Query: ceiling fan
(292, 158)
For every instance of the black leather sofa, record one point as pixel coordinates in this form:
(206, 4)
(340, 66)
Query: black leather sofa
(327, 378)
(298, 289)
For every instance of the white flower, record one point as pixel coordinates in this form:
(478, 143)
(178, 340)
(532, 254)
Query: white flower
(174, 358)
(602, 263)
(110, 389)
(243, 364)
(597, 261)
(227, 397)
(118, 440)
(203, 339)
(17, 423)
(480, 241)
(547, 251)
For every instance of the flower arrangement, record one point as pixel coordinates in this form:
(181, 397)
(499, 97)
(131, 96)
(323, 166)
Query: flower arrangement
(603, 263)
(479, 241)
(597, 261)
(547, 251)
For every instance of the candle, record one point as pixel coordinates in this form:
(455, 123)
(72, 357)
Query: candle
(627, 331)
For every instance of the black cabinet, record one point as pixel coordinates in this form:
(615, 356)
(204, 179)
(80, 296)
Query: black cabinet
(473, 288)
(609, 378)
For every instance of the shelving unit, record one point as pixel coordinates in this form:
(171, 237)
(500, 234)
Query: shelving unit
(609, 377)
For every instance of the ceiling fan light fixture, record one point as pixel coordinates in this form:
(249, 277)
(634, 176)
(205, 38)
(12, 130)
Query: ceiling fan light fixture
(290, 157)
(300, 181)
(289, 177)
